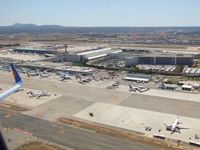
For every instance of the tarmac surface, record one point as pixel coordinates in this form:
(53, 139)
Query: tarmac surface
(137, 119)
(188, 96)
(86, 92)
(77, 100)
(74, 138)
(59, 107)
(163, 105)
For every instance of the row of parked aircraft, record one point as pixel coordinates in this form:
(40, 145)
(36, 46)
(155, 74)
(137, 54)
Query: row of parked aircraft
(42, 74)
(61, 75)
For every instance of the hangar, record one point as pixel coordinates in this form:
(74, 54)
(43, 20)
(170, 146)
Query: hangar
(162, 59)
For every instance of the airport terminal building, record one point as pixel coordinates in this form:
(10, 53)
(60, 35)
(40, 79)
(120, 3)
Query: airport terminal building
(160, 60)
(33, 50)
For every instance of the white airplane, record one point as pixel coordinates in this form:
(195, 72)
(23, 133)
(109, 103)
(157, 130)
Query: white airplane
(86, 80)
(38, 94)
(65, 76)
(44, 75)
(32, 74)
(140, 89)
(16, 87)
(175, 126)
(134, 89)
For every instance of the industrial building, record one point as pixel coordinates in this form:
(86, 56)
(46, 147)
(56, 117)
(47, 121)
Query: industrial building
(36, 51)
(98, 53)
(86, 55)
(162, 59)
(68, 57)
(138, 77)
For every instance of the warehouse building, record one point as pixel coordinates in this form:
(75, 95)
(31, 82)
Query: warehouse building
(163, 59)
(138, 77)
(98, 53)
(86, 55)
(67, 58)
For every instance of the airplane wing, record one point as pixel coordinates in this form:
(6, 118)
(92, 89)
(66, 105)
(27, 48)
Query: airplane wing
(167, 125)
(40, 95)
(17, 86)
(62, 79)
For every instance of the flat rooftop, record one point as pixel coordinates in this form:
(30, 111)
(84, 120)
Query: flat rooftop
(33, 49)
(92, 54)
(161, 55)
(166, 55)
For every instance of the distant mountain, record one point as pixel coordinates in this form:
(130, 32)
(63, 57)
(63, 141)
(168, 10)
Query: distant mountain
(30, 28)
(45, 29)
(19, 25)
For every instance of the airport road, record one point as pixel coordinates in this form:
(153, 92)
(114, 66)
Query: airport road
(163, 105)
(74, 138)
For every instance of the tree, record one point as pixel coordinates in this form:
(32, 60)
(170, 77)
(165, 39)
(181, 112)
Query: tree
(179, 68)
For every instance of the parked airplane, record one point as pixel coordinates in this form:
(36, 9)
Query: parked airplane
(175, 126)
(134, 89)
(16, 87)
(32, 74)
(86, 80)
(23, 70)
(38, 94)
(44, 75)
(140, 89)
(65, 76)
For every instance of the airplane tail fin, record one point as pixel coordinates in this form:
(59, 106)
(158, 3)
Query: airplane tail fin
(16, 87)
(16, 74)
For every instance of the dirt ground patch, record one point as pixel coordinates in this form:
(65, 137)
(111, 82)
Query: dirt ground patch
(132, 136)
(153, 46)
(39, 146)
(13, 107)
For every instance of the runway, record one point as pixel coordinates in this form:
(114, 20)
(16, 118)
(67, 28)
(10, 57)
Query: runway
(74, 138)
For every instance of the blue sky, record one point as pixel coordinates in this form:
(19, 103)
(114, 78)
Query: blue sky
(101, 12)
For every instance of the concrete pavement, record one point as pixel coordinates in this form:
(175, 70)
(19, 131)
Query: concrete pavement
(74, 138)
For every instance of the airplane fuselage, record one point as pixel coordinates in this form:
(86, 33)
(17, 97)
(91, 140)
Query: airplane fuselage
(175, 124)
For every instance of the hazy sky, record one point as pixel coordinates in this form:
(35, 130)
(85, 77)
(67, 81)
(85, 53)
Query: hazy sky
(101, 12)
